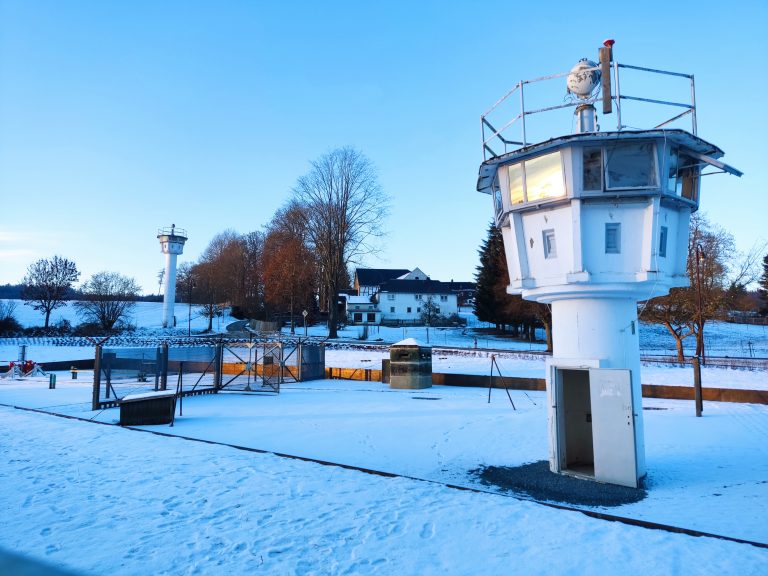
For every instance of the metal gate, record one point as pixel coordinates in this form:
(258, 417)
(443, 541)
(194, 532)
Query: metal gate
(253, 367)
(264, 367)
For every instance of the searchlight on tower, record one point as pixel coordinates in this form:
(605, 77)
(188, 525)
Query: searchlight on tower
(594, 222)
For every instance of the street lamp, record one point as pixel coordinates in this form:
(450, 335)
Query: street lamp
(698, 399)
(699, 252)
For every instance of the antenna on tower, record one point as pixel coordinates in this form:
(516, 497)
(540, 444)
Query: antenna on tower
(606, 57)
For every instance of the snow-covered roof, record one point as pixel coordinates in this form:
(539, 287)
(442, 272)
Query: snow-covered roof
(415, 274)
(408, 342)
(145, 395)
(359, 300)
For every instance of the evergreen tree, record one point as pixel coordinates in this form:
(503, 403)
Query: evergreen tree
(494, 304)
(763, 290)
(487, 306)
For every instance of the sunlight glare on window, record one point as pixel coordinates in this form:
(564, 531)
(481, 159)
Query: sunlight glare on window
(544, 177)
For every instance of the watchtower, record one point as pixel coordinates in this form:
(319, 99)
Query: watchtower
(171, 244)
(592, 223)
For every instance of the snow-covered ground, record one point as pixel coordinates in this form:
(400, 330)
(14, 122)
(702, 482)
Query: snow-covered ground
(735, 340)
(147, 315)
(101, 499)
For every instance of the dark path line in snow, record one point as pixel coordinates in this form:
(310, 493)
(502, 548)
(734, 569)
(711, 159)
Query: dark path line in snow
(591, 513)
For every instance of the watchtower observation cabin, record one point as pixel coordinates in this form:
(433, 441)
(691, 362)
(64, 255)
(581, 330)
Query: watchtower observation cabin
(592, 223)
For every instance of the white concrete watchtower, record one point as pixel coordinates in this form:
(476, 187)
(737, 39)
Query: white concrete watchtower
(171, 244)
(592, 223)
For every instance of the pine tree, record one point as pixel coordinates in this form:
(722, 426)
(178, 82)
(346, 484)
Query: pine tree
(492, 302)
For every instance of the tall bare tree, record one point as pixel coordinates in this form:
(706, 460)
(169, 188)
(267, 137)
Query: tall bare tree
(107, 299)
(229, 274)
(252, 298)
(345, 208)
(217, 274)
(47, 284)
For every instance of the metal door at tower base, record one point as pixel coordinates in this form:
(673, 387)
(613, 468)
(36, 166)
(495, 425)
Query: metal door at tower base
(613, 426)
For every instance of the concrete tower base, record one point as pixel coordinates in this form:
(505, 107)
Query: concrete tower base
(594, 390)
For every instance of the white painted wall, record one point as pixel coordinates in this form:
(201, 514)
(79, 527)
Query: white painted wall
(402, 302)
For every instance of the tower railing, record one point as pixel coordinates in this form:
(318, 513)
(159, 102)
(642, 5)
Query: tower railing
(172, 231)
(495, 139)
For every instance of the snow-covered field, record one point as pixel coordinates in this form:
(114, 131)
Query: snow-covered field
(101, 499)
(723, 339)
(735, 340)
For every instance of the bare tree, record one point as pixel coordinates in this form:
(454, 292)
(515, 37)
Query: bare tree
(685, 311)
(252, 297)
(47, 284)
(8, 322)
(219, 274)
(345, 208)
(430, 311)
(107, 299)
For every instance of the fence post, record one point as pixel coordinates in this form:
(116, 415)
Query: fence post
(96, 378)
(164, 366)
(217, 366)
(300, 361)
(697, 386)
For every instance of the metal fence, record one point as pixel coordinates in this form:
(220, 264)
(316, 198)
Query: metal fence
(119, 372)
(193, 370)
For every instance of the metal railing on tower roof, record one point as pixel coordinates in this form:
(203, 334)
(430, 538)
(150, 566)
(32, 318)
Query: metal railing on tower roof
(499, 141)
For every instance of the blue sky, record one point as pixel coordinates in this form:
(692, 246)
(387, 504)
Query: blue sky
(117, 118)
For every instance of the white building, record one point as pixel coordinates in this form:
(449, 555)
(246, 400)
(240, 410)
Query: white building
(403, 301)
(395, 296)
(362, 310)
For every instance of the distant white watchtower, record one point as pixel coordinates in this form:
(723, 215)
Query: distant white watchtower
(592, 223)
(171, 244)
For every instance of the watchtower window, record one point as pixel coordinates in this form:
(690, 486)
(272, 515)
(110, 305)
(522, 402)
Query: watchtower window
(516, 184)
(544, 177)
(682, 175)
(612, 238)
(688, 178)
(498, 207)
(672, 167)
(550, 248)
(537, 179)
(592, 174)
(663, 241)
(630, 165)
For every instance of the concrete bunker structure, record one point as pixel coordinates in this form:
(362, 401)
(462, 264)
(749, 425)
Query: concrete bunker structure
(410, 365)
(592, 223)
